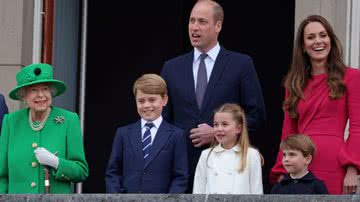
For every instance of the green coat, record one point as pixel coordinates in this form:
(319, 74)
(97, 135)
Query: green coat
(20, 172)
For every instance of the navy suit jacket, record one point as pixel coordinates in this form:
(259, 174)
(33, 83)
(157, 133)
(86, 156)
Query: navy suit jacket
(233, 80)
(3, 109)
(164, 171)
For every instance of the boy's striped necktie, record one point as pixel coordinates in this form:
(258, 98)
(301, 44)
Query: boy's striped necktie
(146, 141)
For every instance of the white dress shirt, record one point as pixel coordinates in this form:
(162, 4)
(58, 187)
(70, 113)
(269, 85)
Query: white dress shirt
(153, 130)
(209, 61)
(219, 173)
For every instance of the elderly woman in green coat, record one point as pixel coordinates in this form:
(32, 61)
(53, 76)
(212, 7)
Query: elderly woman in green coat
(40, 136)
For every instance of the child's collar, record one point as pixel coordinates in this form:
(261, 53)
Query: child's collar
(219, 148)
(295, 178)
(308, 177)
(156, 122)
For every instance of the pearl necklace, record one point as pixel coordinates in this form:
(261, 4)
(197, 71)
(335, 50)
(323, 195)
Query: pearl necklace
(37, 127)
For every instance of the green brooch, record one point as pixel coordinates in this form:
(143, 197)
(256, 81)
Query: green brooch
(59, 119)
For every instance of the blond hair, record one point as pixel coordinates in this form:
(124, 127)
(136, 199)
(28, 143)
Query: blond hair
(150, 84)
(243, 141)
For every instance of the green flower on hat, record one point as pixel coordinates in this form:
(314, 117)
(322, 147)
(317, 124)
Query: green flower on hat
(36, 74)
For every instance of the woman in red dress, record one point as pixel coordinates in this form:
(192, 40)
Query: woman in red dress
(321, 94)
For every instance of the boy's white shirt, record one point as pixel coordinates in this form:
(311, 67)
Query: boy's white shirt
(153, 131)
(220, 173)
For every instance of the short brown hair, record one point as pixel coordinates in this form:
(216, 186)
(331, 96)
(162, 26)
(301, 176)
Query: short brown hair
(150, 84)
(299, 142)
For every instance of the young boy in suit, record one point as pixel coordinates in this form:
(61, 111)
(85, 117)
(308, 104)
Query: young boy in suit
(298, 151)
(149, 156)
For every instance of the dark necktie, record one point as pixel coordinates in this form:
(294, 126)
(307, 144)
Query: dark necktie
(146, 141)
(201, 80)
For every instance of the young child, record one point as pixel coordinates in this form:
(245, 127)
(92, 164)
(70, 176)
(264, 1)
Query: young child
(231, 165)
(298, 151)
(149, 156)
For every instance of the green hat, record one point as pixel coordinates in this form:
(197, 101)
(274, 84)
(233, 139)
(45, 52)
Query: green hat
(35, 74)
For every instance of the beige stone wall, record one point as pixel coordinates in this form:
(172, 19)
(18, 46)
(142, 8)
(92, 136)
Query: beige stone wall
(7, 82)
(16, 22)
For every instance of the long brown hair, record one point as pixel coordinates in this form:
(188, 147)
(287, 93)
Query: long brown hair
(243, 139)
(300, 69)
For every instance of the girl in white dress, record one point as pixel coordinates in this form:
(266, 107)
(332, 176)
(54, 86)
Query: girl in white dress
(231, 165)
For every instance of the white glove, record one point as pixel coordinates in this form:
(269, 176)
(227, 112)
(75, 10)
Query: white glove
(46, 158)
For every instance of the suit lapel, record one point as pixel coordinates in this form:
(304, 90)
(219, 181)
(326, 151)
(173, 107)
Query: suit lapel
(216, 73)
(134, 134)
(161, 138)
(189, 82)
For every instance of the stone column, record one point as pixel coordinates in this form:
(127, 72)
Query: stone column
(16, 36)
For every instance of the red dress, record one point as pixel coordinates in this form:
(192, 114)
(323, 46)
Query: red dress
(324, 120)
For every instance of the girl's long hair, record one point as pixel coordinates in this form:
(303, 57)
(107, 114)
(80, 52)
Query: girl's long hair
(300, 69)
(243, 138)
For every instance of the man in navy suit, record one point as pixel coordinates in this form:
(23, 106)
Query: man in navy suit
(230, 77)
(3, 109)
(148, 156)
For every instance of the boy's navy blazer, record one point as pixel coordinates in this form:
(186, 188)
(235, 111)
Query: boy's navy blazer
(165, 169)
(3, 109)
